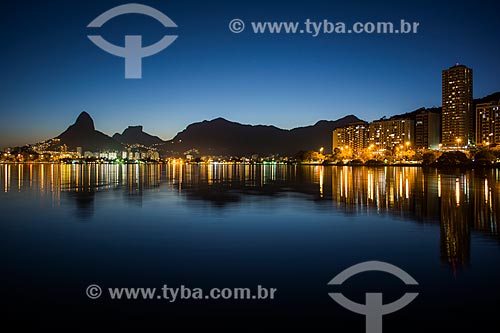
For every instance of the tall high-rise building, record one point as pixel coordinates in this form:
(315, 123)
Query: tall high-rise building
(354, 136)
(488, 124)
(427, 130)
(457, 123)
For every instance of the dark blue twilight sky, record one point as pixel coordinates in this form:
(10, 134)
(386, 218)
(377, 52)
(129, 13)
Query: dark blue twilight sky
(51, 71)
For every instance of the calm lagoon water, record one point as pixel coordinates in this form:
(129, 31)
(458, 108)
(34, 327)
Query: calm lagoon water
(292, 228)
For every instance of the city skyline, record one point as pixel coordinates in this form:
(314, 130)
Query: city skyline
(140, 122)
(461, 123)
(418, 130)
(209, 72)
(252, 165)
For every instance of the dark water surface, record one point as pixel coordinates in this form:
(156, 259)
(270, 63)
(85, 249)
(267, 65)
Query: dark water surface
(293, 228)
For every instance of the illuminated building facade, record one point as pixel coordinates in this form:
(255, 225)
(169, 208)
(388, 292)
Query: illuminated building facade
(388, 134)
(488, 124)
(458, 116)
(353, 137)
(427, 130)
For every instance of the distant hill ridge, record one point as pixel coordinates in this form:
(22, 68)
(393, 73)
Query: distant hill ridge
(495, 97)
(135, 135)
(215, 137)
(83, 134)
(223, 137)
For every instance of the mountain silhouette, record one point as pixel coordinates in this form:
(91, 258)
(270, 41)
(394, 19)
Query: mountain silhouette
(495, 97)
(318, 135)
(222, 137)
(83, 134)
(135, 134)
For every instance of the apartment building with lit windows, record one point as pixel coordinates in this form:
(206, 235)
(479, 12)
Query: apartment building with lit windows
(457, 120)
(488, 124)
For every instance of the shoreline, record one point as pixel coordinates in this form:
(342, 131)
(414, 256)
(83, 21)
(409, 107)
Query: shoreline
(412, 165)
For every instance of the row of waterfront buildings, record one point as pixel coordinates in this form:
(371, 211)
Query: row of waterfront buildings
(130, 154)
(459, 125)
(53, 150)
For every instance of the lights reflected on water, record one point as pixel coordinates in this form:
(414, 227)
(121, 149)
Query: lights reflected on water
(458, 202)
